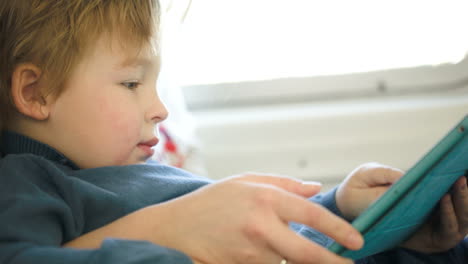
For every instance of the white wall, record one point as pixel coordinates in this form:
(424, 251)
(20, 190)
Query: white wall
(324, 141)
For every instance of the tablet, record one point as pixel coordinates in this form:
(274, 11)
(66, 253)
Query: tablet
(408, 202)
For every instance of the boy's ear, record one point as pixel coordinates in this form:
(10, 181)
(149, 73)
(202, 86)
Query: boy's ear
(26, 92)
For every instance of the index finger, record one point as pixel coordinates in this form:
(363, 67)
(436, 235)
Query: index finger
(305, 189)
(316, 216)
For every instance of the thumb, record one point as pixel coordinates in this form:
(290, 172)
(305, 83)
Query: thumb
(302, 188)
(385, 176)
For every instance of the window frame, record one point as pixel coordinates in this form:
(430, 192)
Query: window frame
(415, 80)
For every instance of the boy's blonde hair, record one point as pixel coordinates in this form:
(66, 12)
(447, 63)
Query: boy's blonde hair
(55, 34)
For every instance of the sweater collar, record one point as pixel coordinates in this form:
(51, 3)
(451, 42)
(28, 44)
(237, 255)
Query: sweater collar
(14, 143)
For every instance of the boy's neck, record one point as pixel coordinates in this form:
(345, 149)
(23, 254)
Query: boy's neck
(29, 127)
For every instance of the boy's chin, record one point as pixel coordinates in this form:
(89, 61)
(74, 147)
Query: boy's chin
(142, 160)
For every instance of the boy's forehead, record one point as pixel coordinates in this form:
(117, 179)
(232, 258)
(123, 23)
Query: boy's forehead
(139, 60)
(129, 56)
(124, 55)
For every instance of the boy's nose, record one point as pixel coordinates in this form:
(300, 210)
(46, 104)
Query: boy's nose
(157, 111)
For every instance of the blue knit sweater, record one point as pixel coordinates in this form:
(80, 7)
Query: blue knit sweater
(46, 201)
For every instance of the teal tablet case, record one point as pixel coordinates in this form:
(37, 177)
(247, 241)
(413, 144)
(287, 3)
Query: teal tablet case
(406, 205)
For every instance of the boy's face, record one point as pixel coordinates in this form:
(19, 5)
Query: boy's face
(108, 111)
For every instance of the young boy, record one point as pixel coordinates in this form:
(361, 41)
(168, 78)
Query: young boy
(79, 109)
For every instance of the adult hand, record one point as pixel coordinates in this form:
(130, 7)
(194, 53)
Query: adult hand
(447, 226)
(244, 219)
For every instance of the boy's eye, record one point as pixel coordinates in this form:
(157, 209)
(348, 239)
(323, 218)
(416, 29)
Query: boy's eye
(131, 85)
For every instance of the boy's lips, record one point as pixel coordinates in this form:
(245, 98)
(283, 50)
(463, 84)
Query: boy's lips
(152, 142)
(147, 146)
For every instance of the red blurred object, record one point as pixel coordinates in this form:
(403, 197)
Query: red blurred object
(171, 152)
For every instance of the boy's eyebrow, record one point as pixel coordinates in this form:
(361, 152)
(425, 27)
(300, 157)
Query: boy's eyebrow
(135, 61)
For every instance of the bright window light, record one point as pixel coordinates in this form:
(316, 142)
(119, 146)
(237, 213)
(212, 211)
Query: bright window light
(232, 41)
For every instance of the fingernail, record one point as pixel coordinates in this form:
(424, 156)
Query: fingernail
(312, 183)
(446, 199)
(463, 184)
(355, 240)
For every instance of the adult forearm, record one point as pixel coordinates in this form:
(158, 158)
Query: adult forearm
(139, 225)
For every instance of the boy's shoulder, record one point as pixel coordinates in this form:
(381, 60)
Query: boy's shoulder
(24, 161)
(26, 167)
(21, 162)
